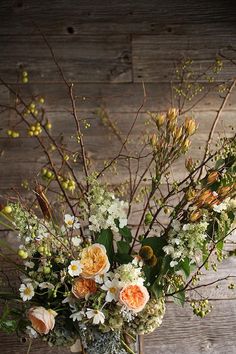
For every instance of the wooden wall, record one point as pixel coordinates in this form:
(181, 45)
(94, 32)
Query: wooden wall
(108, 49)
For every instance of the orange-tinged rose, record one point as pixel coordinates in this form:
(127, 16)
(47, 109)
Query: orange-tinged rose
(82, 287)
(134, 297)
(94, 261)
(42, 320)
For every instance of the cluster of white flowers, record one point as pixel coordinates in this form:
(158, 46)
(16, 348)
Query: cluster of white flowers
(186, 241)
(106, 210)
(129, 274)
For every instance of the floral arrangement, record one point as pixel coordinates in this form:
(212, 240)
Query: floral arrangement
(87, 276)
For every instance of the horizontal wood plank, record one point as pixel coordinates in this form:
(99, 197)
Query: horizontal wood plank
(70, 17)
(120, 97)
(153, 56)
(93, 58)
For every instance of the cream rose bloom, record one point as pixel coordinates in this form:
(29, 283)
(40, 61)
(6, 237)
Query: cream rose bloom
(42, 320)
(94, 261)
(134, 297)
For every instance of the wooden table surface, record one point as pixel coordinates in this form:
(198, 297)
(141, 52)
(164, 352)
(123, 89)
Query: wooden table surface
(109, 48)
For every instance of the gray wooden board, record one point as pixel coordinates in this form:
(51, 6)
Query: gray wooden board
(19, 17)
(119, 97)
(153, 56)
(93, 58)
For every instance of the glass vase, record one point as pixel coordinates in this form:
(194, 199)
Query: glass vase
(96, 342)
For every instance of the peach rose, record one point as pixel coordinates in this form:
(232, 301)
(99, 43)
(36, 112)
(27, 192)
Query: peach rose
(82, 287)
(42, 320)
(134, 297)
(94, 261)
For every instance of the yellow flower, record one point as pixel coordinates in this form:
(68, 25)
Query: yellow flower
(172, 114)
(190, 126)
(177, 133)
(160, 119)
(94, 261)
(195, 215)
(212, 177)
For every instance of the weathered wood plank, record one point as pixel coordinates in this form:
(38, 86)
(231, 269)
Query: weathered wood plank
(120, 97)
(183, 333)
(63, 122)
(18, 17)
(93, 58)
(153, 56)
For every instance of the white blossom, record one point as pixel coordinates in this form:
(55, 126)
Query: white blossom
(71, 221)
(112, 288)
(74, 268)
(46, 285)
(96, 315)
(31, 332)
(77, 316)
(76, 241)
(26, 291)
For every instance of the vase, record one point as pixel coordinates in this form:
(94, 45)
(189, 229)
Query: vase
(96, 342)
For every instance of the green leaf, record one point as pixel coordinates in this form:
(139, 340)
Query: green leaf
(105, 238)
(157, 290)
(185, 266)
(156, 243)
(123, 258)
(179, 298)
(126, 233)
(123, 247)
(219, 163)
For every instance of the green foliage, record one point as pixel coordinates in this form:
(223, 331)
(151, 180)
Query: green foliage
(105, 238)
(126, 233)
(7, 324)
(179, 298)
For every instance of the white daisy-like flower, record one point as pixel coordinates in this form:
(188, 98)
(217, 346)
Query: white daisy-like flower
(71, 221)
(31, 332)
(74, 268)
(112, 288)
(96, 315)
(77, 316)
(76, 241)
(26, 291)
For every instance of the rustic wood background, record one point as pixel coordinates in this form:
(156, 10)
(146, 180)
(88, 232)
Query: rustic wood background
(108, 48)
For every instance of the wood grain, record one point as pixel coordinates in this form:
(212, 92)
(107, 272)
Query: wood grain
(68, 18)
(93, 58)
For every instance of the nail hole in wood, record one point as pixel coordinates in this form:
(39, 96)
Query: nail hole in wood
(70, 30)
(19, 3)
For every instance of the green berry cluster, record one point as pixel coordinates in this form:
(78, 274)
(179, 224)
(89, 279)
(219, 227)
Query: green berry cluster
(68, 184)
(47, 174)
(35, 129)
(24, 77)
(201, 307)
(13, 133)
